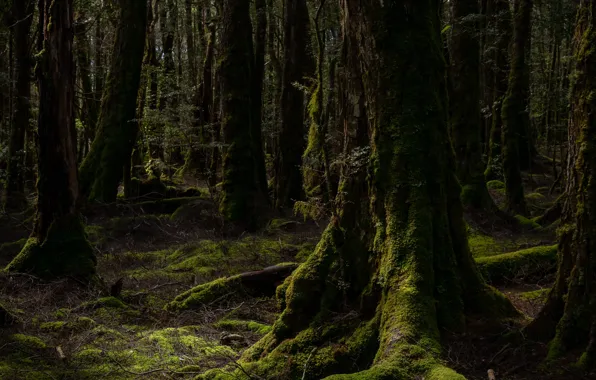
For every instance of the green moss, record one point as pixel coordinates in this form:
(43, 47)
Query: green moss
(539, 295)
(109, 302)
(527, 223)
(535, 197)
(495, 185)
(237, 325)
(527, 264)
(28, 341)
(52, 326)
(482, 245)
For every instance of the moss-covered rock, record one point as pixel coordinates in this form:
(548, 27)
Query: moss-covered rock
(528, 264)
(527, 223)
(495, 185)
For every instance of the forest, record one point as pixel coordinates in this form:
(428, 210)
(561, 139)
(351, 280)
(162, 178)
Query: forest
(297, 189)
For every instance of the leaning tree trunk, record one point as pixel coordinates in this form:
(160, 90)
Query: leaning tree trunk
(101, 172)
(516, 119)
(393, 268)
(15, 190)
(298, 64)
(58, 245)
(568, 317)
(241, 192)
(500, 23)
(466, 122)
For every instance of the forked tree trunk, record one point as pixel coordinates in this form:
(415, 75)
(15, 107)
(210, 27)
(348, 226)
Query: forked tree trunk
(516, 119)
(568, 318)
(58, 245)
(102, 169)
(393, 268)
(466, 122)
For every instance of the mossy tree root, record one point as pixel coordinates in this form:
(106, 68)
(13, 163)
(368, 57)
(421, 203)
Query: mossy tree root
(65, 251)
(256, 283)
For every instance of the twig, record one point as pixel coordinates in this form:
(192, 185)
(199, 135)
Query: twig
(306, 363)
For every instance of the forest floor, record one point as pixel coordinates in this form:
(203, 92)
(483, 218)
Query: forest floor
(162, 248)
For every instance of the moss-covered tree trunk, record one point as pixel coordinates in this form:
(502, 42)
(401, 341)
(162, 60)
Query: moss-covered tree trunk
(298, 64)
(241, 197)
(500, 23)
(515, 110)
(466, 123)
(101, 171)
(393, 268)
(568, 317)
(15, 190)
(58, 245)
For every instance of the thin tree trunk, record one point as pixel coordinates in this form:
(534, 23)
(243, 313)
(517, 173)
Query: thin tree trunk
(515, 115)
(298, 64)
(15, 191)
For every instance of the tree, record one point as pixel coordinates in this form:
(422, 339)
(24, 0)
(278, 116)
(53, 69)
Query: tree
(500, 24)
(393, 267)
(515, 116)
(58, 245)
(102, 169)
(298, 64)
(466, 123)
(15, 196)
(241, 192)
(568, 319)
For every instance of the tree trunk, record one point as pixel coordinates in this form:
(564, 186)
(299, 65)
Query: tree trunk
(393, 268)
(15, 190)
(90, 106)
(257, 95)
(466, 122)
(515, 108)
(101, 172)
(298, 64)
(190, 43)
(58, 245)
(500, 16)
(568, 317)
(242, 197)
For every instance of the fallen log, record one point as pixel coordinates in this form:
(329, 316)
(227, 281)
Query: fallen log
(262, 283)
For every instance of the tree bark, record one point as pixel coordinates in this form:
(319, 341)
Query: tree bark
(58, 245)
(516, 119)
(500, 20)
(393, 268)
(241, 198)
(465, 119)
(102, 169)
(568, 319)
(298, 64)
(22, 13)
